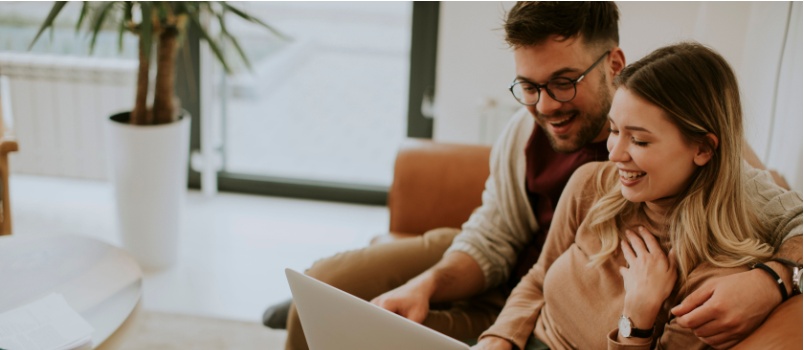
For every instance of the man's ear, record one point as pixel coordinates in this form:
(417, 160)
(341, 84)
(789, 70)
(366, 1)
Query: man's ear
(706, 150)
(617, 61)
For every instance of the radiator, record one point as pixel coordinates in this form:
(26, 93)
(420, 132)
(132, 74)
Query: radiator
(60, 106)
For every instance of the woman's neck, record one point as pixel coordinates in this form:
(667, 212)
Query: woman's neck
(656, 211)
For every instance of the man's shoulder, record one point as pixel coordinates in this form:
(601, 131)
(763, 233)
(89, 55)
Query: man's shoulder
(515, 133)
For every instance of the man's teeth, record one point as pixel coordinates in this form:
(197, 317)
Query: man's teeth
(631, 174)
(557, 123)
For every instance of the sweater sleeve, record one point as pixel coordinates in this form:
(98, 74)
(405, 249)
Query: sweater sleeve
(518, 318)
(671, 335)
(780, 208)
(503, 225)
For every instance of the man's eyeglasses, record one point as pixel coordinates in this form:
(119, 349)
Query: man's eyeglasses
(560, 89)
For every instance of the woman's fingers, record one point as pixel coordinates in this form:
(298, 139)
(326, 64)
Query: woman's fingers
(628, 252)
(641, 245)
(651, 243)
(637, 243)
(671, 256)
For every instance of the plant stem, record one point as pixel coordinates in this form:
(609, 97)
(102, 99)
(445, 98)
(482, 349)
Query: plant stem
(167, 47)
(139, 115)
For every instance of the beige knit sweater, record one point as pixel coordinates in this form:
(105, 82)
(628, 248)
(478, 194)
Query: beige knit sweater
(569, 305)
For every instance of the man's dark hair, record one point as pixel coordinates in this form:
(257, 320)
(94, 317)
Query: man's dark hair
(532, 22)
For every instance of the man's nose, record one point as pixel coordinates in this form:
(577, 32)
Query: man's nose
(547, 105)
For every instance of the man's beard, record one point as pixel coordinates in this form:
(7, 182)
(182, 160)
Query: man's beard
(592, 124)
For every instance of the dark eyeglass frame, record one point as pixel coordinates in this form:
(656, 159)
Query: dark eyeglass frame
(553, 81)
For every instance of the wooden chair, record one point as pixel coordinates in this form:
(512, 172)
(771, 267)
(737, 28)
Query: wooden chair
(8, 143)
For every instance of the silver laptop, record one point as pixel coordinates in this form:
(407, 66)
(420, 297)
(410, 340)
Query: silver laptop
(336, 320)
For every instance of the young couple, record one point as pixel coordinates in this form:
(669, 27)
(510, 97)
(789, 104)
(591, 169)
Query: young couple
(634, 236)
(652, 247)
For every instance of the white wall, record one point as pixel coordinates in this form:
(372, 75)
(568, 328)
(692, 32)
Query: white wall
(475, 66)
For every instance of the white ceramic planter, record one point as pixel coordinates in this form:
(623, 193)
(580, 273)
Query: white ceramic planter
(149, 171)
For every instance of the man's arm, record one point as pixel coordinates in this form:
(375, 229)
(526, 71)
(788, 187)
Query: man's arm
(791, 250)
(751, 157)
(483, 253)
(727, 309)
(456, 276)
(496, 233)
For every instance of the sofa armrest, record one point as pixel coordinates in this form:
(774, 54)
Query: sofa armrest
(781, 330)
(436, 185)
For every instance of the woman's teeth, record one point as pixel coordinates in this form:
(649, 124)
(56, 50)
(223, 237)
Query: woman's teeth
(631, 174)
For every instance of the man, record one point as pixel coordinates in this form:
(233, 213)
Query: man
(455, 281)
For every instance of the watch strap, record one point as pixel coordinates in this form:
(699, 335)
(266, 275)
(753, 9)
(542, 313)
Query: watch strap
(641, 333)
(775, 276)
(632, 331)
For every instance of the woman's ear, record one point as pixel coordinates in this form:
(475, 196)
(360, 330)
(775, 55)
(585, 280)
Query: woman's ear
(706, 150)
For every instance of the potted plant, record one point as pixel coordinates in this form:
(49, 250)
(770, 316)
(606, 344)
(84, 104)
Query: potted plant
(149, 145)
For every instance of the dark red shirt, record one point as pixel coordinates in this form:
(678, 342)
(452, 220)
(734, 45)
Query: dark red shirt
(546, 174)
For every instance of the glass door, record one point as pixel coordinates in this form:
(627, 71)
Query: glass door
(322, 113)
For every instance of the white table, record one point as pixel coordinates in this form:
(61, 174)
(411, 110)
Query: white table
(101, 282)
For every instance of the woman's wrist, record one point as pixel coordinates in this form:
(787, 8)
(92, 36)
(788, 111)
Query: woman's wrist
(641, 312)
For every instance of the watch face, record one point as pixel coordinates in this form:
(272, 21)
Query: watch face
(625, 327)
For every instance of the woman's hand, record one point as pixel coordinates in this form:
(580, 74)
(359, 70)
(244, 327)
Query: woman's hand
(649, 277)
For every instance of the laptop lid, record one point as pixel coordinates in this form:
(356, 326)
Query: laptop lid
(336, 320)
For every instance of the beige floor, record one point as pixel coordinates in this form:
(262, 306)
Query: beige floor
(234, 247)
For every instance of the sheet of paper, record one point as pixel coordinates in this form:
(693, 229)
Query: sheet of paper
(45, 324)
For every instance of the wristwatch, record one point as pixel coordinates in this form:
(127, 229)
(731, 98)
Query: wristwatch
(627, 329)
(798, 273)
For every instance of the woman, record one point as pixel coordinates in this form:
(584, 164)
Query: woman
(632, 237)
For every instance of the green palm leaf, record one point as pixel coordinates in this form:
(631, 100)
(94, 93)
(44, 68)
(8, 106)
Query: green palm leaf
(57, 6)
(162, 23)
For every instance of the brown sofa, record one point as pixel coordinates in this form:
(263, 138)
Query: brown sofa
(439, 184)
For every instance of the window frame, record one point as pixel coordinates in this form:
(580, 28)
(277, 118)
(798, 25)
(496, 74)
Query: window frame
(424, 40)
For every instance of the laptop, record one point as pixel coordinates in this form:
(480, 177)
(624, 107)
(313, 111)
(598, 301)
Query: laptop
(335, 320)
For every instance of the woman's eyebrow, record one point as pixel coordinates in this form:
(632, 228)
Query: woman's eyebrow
(630, 127)
(637, 128)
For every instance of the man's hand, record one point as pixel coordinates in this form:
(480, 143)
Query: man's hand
(493, 343)
(456, 276)
(727, 309)
(409, 300)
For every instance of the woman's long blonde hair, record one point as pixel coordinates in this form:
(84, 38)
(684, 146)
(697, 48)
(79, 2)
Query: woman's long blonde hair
(712, 220)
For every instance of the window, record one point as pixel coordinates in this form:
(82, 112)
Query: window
(321, 114)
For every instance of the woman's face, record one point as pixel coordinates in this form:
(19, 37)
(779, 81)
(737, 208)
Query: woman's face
(655, 162)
